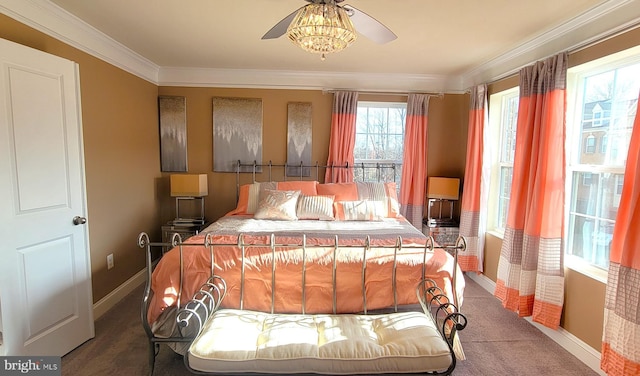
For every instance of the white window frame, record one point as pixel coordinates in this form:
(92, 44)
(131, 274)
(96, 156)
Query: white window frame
(376, 104)
(496, 132)
(575, 83)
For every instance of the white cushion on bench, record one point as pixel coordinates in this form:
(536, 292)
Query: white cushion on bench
(249, 341)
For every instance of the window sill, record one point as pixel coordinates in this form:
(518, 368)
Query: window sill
(580, 266)
(498, 233)
(571, 262)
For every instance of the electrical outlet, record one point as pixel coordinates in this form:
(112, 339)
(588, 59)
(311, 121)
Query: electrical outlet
(110, 261)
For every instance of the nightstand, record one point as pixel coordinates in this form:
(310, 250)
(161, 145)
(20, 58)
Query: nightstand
(443, 235)
(184, 229)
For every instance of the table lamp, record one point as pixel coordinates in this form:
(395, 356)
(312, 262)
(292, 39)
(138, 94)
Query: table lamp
(191, 187)
(440, 189)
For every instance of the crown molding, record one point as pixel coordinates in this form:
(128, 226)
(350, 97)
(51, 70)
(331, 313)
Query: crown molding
(302, 80)
(603, 21)
(607, 19)
(54, 21)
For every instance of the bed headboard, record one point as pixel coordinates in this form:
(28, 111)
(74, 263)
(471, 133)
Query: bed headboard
(366, 171)
(383, 172)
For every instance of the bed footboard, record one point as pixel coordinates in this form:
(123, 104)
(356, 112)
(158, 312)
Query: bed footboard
(322, 343)
(170, 335)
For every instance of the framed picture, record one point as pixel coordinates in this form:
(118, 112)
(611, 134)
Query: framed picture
(299, 134)
(237, 133)
(173, 133)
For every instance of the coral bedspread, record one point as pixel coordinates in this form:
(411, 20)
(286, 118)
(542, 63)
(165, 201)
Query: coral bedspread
(318, 265)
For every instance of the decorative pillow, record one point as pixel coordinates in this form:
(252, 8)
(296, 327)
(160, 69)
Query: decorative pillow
(306, 187)
(341, 191)
(361, 210)
(385, 192)
(278, 205)
(315, 207)
(249, 197)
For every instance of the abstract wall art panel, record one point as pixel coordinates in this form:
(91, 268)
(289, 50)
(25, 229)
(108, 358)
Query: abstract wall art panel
(237, 133)
(299, 134)
(173, 133)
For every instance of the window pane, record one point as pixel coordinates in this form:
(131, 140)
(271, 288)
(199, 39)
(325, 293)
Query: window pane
(594, 208)
(379, 140)
(503, 117)
(509, 122)
(599, 151)
(396, 147)
(590, 239)
(506, 174)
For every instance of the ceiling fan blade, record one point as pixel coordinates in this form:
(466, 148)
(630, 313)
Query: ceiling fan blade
(369, 26)
(280, 28)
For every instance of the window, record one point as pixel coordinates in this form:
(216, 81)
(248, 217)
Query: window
(590, 144)
(602, 99)
(380, 139)
(503, 117)
(597, 116)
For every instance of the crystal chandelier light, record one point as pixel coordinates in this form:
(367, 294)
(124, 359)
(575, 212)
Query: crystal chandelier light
(322, 29)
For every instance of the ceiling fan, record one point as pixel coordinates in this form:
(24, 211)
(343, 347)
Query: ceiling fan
(323, 26)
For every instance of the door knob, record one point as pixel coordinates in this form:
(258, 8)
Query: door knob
(79, 220)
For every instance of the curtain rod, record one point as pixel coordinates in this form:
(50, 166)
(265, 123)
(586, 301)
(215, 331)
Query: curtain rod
(393, 93)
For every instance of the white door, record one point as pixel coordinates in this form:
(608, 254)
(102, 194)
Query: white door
(45, 272)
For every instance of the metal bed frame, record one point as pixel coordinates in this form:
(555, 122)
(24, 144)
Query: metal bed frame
(207, 300)
(255, 168)
(434, 302)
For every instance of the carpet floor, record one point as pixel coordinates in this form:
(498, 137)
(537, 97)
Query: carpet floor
(495, 342)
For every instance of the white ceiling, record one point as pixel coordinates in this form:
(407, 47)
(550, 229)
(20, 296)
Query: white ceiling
(441, 46)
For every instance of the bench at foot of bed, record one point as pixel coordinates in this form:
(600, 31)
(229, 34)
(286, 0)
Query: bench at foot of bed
(241, 341)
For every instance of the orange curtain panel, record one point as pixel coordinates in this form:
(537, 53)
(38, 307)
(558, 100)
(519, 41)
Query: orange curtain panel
(413, 183)
(621, 333)
(530, 268)
(343, 136)
(475, 189)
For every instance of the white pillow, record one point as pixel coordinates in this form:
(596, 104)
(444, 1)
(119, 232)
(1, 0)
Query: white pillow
(277, 205)
(256, 191)
(361, 210)
(315, 207)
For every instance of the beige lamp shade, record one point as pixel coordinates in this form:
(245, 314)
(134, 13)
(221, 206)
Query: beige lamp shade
(189, 185)
(443, 188)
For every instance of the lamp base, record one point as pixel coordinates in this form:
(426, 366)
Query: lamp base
(191, 211)
(188, 221)
(442, 222)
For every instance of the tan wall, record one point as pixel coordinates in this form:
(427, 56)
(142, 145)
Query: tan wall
(583, 313)
(119, 116)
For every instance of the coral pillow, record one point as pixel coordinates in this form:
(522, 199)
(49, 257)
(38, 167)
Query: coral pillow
(306, 187)
(279, 205)
(341, 191)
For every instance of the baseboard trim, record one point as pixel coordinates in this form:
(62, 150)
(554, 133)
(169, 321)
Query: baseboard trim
(111, 299)
(578, 348)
